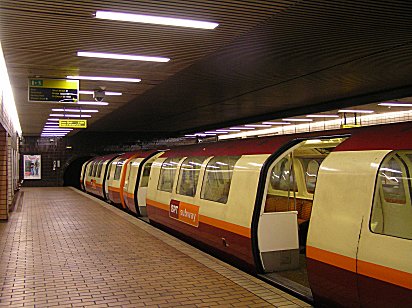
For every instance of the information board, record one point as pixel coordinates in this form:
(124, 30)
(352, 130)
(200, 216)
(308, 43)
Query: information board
(73, 123)
(53, 90)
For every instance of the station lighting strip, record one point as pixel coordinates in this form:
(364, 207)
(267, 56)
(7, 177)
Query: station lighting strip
(148, 19)
(366, 120)
(105, 55)
(100, 78)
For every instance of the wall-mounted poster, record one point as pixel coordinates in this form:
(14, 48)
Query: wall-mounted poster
(32, 167)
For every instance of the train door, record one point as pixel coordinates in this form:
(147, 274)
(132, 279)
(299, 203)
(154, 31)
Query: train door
(287, 206)
(143, 180)
(384, 264)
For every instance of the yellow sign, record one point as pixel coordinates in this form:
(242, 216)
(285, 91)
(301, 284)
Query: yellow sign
(350, 125)
(53, 90)
(73, 123)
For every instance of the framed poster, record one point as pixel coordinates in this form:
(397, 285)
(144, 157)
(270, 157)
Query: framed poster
(32, 167)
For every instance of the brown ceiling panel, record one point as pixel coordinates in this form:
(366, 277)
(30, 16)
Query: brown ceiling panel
(266, 58)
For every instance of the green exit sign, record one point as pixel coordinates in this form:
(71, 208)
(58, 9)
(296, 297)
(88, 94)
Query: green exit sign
(36, 82)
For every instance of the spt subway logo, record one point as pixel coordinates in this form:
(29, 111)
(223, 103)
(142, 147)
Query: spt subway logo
(185, 212)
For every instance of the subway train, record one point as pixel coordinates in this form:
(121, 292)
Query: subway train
(328, 211)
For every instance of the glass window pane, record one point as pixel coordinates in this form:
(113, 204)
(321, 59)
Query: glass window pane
(311, 169)
(145, 176)
(392, 210)
(167, 174)
(99, 169)
(118, 170)
(281, 177)
(218, 177)
(91, 168)
(189, 175)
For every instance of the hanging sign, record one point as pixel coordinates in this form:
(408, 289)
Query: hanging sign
(73, 123)
(53, 90)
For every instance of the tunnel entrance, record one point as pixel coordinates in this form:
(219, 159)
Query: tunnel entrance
(71, 176)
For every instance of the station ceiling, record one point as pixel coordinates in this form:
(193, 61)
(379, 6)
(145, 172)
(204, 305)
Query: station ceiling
(266, 59)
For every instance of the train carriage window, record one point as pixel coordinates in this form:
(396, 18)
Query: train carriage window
(311, 169)
(109, 170)
(118, 170)
(145, 176)
(218, 177)
(392, 210)
(189, 176)
(281, 177)
(99, 169)
(167, 174)
(91, 168)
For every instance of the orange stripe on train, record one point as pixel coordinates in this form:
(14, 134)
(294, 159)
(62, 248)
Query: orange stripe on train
(244, 231)
(372, 270)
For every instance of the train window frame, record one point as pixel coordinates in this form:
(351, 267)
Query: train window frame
(223, 199)
(377, 204)
(118, 170)
(161, 184)
(144, 181)
(99, 169)
(182, 172)
(109, 170)
(90, 171)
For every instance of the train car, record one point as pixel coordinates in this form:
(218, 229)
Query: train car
(338, 201)
(95, 174)
(118, 176)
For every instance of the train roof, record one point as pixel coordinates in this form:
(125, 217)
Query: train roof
(142, 153)
(379, 137)
(105, 157)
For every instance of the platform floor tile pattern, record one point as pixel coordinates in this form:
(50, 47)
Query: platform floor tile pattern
(64, 248)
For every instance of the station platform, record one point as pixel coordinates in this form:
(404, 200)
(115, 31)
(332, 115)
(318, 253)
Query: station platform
(64, 248)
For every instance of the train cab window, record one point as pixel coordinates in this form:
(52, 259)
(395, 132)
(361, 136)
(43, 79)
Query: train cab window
(109, 170)
(392, 209)
(145, 176)
(99, 169)
(118, 170)
(189, 175)
(218, 177)
(167, 174)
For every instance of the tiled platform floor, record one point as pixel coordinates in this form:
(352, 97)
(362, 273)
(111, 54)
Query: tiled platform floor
(66, 249)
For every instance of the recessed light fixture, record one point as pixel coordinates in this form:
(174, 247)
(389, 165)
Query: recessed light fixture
(60, 115)
(121, 57)
(105, 93)
(75, 110)
(276, 123)
(91, 103)
(147, 19)
(395, 104)
(52, 123)
(355, 111)
(104, 78)
(240, 127)
(297, 120)
(322, 116)
(258, 125)
(56, 120)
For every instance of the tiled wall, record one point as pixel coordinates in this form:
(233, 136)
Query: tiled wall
(3, 176)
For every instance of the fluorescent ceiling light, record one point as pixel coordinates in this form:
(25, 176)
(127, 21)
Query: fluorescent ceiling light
(74, 110)
(105, 93)
(355, 111)
(104, 78)
(121, 57)
(276, 123)
(70, 115)
(241, 127)
(147, 19)
(224, 130)
(56, 129)
(257, 125)
(322, 116)
(215, 132)
(52, 123)
(57, 120)
(298, 120)
(395, 105)
(93, 103)
(210, 134)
